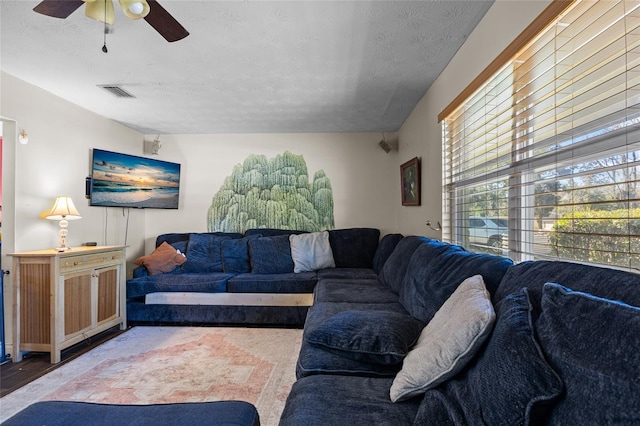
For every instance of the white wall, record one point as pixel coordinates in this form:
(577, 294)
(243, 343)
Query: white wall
(361, 175)
(421, 135)
(57, 159)
(56, 162)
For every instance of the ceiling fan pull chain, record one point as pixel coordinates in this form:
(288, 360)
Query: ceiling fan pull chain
(104, 46)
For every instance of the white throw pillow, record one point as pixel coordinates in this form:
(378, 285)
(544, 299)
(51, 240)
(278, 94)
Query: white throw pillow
(448, 341)
(311, 251)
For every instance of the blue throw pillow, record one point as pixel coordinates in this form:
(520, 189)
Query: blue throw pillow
(204, 253)
(594, 343)
(271, 255)
(235, 255)
(376, 337)
(509, 383)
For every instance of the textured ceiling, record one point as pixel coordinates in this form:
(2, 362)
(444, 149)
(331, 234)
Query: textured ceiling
(247, 66)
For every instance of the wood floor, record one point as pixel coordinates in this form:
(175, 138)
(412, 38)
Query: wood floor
(14, 375)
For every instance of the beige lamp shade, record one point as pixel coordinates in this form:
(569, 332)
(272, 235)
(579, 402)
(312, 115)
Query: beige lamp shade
(63, 209)
(100, 10)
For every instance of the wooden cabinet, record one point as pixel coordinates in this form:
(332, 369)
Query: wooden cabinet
(62, 298)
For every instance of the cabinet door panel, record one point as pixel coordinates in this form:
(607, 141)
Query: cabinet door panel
(77, 303)
(35, 303)
(107, 293)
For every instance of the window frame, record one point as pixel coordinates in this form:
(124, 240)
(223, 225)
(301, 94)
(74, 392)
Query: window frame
(528, 155)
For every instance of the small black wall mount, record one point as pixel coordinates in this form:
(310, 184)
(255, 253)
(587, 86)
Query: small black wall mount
(87, 188)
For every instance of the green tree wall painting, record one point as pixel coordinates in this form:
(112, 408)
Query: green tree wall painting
(272, 193)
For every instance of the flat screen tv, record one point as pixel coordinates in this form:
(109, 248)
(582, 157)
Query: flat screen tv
(122, 180)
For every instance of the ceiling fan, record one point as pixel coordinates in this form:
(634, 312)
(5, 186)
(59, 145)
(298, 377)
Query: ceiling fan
(102, 10)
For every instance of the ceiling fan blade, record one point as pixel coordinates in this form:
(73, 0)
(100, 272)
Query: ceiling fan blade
(164, 23)
(58, 8)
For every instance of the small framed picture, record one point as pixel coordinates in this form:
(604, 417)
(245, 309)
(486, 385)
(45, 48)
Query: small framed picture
(410, 179)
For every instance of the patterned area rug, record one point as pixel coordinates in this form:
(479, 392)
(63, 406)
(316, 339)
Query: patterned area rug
(153, 365)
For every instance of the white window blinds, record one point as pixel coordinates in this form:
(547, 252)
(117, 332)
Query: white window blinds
(543, 160)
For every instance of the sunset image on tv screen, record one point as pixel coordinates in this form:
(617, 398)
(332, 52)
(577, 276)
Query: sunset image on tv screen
(121, 180)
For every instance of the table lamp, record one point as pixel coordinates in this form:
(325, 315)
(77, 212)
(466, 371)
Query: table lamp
(63, 210)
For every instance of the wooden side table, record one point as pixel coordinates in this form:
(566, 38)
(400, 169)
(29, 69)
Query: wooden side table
(62, 298)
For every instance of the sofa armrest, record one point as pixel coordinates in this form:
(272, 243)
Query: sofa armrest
(140, 271)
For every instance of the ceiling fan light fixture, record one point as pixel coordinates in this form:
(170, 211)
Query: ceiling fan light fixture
(100, 10)
(135, 9)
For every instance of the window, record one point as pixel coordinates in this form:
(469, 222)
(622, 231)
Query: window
(547, 149)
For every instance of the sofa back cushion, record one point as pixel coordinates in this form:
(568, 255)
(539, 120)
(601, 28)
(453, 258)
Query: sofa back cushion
(599, 281)
(172, 238)
(436, 269)
(594, 343)
(175, 239)
(510, 382)
(394, 269)
(235, 255)
(354, 247)
(385, 247)
(270, 255)
(271, 232)
(204, 253)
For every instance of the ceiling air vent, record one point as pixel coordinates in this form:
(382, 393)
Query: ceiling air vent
(116, 91)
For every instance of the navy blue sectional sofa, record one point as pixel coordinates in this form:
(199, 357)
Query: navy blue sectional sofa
(557, 343)
(233, 278)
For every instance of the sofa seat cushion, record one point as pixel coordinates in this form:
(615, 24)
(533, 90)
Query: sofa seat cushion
(376, 337)
(436, 269)
(213, 282)
(354, 247)
(340, 400)
(353, 291)
(314, 360)
(510, 382)
(594, 344)
(320, 311)
(303, 282)
(347, 273)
